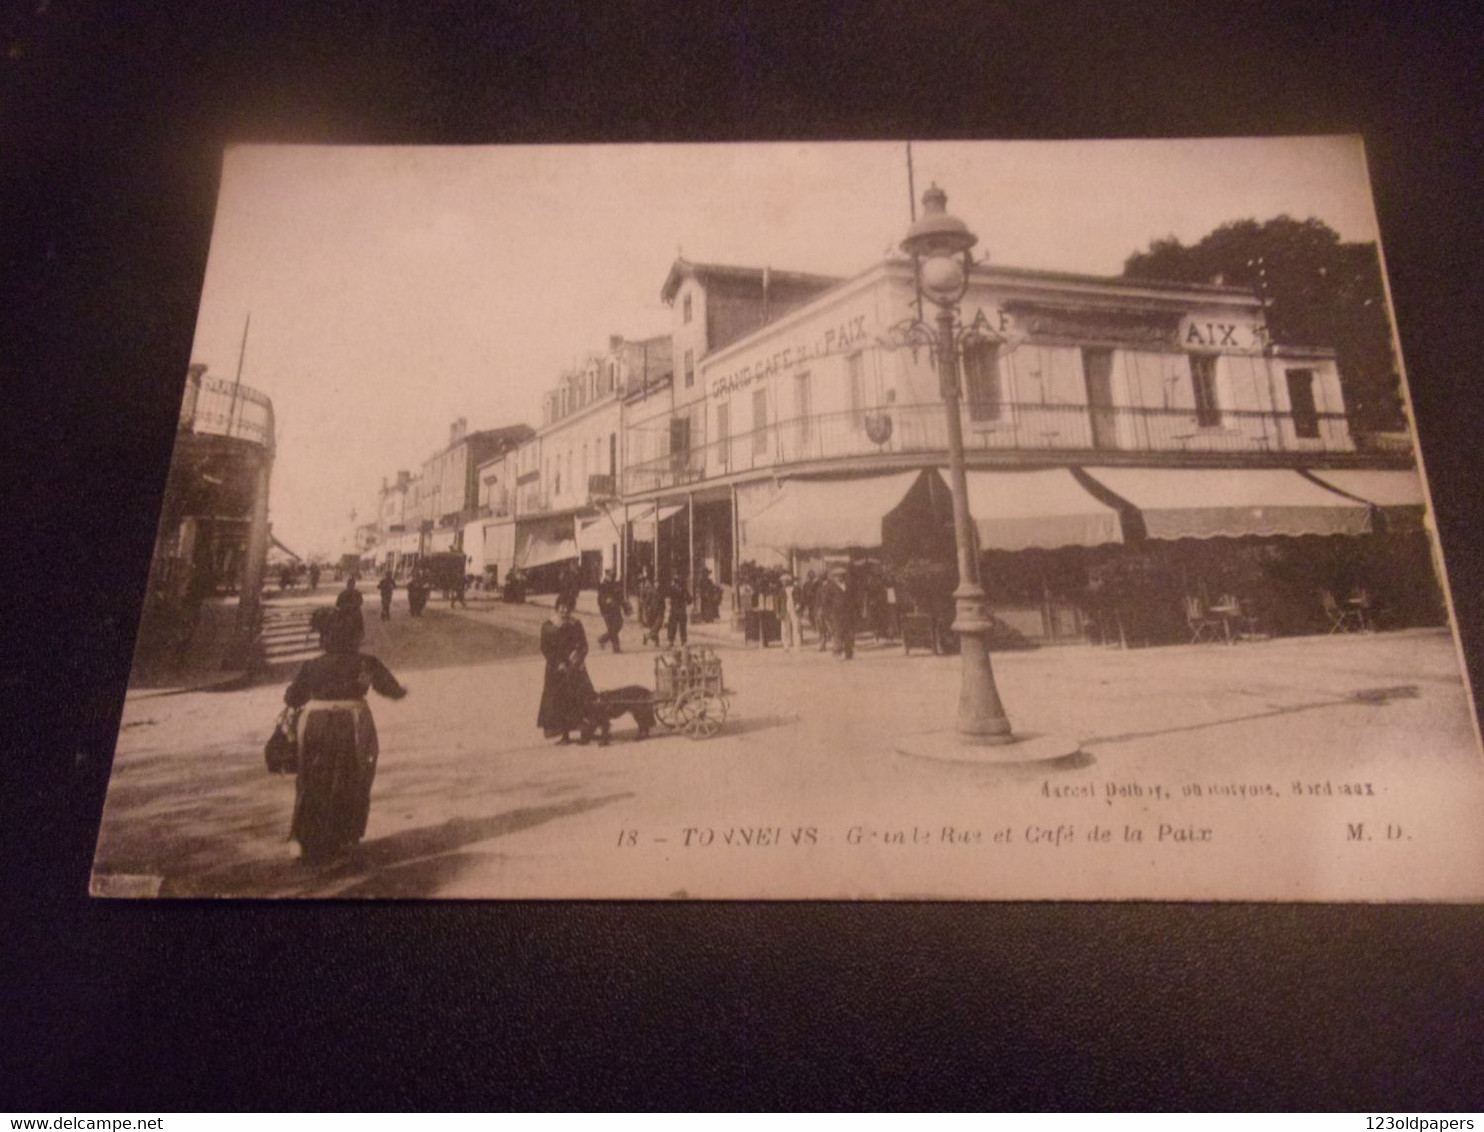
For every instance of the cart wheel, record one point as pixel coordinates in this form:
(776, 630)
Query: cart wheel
(683, 709)
(664, 711)
(701, 713)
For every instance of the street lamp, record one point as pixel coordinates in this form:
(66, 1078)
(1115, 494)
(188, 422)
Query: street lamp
(939, 244)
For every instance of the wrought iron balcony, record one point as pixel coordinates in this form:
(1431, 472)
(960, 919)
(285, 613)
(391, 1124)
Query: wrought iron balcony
(218, 407)
(1005, 426)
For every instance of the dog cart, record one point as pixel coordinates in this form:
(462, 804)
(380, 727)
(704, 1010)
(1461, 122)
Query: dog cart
(689, 694)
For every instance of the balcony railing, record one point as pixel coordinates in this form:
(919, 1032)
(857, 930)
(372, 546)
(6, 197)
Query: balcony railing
(221, 408)
(1031, 428)
(600, 490)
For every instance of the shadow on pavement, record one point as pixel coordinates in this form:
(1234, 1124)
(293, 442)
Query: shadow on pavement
(734, 726)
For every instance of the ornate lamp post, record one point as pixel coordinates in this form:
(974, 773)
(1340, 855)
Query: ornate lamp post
(939, 245)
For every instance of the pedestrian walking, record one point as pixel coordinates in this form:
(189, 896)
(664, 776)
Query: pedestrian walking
(838, 604)
(417, 593)
(708, 596)
(337, 739)
(677, 616)
(460, 592)
(387, 586)
(814, 602)
(570, 587)
(349, 601)
(793, 625)
(612, 605)
(313, 576)
(651, 610)
(567, 690)
(349, 598)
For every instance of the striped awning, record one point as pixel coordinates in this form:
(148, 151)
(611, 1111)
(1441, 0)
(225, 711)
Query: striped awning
(828, 514)
(545, 542)
(1180, 503)
(1046, 508)
(1399, 495)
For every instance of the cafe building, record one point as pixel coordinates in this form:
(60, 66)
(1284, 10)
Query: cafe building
(1130, 445)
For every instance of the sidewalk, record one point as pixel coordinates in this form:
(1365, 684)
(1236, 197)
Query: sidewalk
(200, 666)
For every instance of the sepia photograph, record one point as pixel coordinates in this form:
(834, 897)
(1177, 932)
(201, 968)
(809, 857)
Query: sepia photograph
(848, 521)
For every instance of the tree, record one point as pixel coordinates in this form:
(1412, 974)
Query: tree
(1318, 291)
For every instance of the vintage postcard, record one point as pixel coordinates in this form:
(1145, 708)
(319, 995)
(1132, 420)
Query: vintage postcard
(960, 521)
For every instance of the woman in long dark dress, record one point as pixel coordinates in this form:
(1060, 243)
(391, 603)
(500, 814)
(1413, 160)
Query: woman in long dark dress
(337, 739)
(567, 689)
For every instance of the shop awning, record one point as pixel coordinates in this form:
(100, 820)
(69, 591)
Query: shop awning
(1017, 510)
(1228, 503)
(596, 532)
(1398, 494)
(645, 512)
(545, 543)
(828, 514)
(642, 519)
(499, 546)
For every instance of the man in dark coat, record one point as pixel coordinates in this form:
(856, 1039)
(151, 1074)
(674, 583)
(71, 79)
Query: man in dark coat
(677, 616)
(611, 603)
(387, 586)
(838, 604)
(570, 587)
(349, 599)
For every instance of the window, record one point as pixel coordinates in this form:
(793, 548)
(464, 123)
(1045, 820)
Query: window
(982, 381)
(724, 435)
(801, 406)
(690, 368)
(759, 422)
(679, 436)
(685, 310)
(1301, 399)
(1203, 382)
(855, 381)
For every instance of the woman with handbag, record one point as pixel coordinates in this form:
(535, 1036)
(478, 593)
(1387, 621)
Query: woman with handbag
(336, 739)
(567, 690)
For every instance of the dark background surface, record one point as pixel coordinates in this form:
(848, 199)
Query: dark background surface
(112, 123)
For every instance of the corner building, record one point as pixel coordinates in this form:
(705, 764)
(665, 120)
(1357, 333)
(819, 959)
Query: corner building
(1113, 428)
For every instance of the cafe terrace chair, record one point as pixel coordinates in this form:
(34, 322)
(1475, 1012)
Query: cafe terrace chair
(1201, 624)
(1341, 618)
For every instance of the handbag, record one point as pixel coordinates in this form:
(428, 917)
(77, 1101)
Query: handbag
(281, 752)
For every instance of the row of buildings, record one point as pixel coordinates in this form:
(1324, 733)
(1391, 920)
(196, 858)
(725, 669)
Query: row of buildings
(1119, 434)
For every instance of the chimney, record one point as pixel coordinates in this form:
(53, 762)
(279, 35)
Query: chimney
(614, 342)
(767, 286)
(457, 429)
